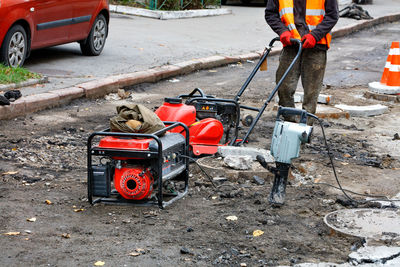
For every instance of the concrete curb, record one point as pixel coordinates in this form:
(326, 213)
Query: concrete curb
(101, 87)
(29, 82)
(299, 97)
(164, 15)
(343, 31)
(364, 111)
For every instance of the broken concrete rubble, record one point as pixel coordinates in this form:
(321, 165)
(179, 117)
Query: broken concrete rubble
(379, 254)
(225, 151)
(239, 162)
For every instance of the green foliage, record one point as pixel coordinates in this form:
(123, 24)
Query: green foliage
(15, 75)
(169, 4)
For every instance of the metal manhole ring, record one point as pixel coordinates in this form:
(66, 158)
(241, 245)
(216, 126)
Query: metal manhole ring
(377, 224)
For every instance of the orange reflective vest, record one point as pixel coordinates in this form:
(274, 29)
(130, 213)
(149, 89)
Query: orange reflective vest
(315, 12)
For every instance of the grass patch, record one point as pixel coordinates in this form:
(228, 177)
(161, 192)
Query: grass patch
(16, 75)
(168, 4)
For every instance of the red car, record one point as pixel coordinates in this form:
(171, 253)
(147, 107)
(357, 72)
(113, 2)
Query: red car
(28, 25)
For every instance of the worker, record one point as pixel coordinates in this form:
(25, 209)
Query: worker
(311, 22)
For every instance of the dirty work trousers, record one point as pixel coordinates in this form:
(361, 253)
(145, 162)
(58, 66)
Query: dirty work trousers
(310, 67)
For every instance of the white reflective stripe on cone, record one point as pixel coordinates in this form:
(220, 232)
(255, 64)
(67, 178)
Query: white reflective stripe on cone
(394, 51)
(394, 68)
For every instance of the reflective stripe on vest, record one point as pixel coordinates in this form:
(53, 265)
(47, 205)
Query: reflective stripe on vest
(315, 12)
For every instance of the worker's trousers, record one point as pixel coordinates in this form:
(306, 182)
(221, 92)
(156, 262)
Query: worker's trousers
(310, 67)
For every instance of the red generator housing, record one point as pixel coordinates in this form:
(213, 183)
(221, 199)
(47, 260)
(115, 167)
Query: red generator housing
(205, 133)
(137, 168)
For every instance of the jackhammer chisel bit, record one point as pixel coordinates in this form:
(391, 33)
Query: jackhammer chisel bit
(278, 191)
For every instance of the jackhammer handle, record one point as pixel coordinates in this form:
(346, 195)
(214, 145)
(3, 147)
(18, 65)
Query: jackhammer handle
(264, 164)
(292, 111)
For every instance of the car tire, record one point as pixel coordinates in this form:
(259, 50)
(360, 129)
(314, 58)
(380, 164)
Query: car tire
(14, 48)
(94, 43)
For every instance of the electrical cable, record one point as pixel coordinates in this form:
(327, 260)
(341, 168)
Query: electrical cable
(375, 198)
(201, 168)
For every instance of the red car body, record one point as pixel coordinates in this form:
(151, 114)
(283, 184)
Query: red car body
(51, 22)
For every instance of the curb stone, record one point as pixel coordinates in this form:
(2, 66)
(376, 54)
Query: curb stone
(364, 111)
(104, 86)
(165, 15)
(29, 82)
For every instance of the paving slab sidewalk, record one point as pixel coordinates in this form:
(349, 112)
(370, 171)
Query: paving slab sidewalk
(382, 10)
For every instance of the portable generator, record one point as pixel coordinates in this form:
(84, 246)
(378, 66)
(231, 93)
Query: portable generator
(209, 119)
(138, 169)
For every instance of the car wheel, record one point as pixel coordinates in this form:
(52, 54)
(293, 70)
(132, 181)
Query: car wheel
(14, 48)
(94, 43)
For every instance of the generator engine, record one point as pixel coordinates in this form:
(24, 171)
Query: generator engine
(138, 167)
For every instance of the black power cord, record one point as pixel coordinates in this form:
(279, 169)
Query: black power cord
(201, 168)
(320, 121)
(375, 197)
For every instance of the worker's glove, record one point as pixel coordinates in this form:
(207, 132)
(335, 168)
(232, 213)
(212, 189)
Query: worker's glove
(308, 41)
(285, 38)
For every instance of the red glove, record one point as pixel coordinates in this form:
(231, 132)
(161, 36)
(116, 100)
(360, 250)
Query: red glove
(285, 38)
(308, 41)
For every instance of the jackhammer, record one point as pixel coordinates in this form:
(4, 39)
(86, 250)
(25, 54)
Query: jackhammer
(285, 146)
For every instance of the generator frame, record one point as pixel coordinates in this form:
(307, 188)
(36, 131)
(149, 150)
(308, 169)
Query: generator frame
(157, 157)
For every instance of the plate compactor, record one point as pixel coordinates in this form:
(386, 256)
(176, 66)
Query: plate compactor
(146, 169)
(211, 120)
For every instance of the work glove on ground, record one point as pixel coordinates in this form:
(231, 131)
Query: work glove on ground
(285, 38)
(12, 95)
(4, 101)
(308, 41)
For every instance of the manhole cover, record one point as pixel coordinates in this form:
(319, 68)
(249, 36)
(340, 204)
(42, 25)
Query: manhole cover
(377, 224)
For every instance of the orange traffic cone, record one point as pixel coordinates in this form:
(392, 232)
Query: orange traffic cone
(388, 63)
(394, 70)
(390, 81)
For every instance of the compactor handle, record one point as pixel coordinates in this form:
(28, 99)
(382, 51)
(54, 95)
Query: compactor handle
(296, 41)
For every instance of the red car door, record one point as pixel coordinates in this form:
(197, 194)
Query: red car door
(84, 13)
(52, 22)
